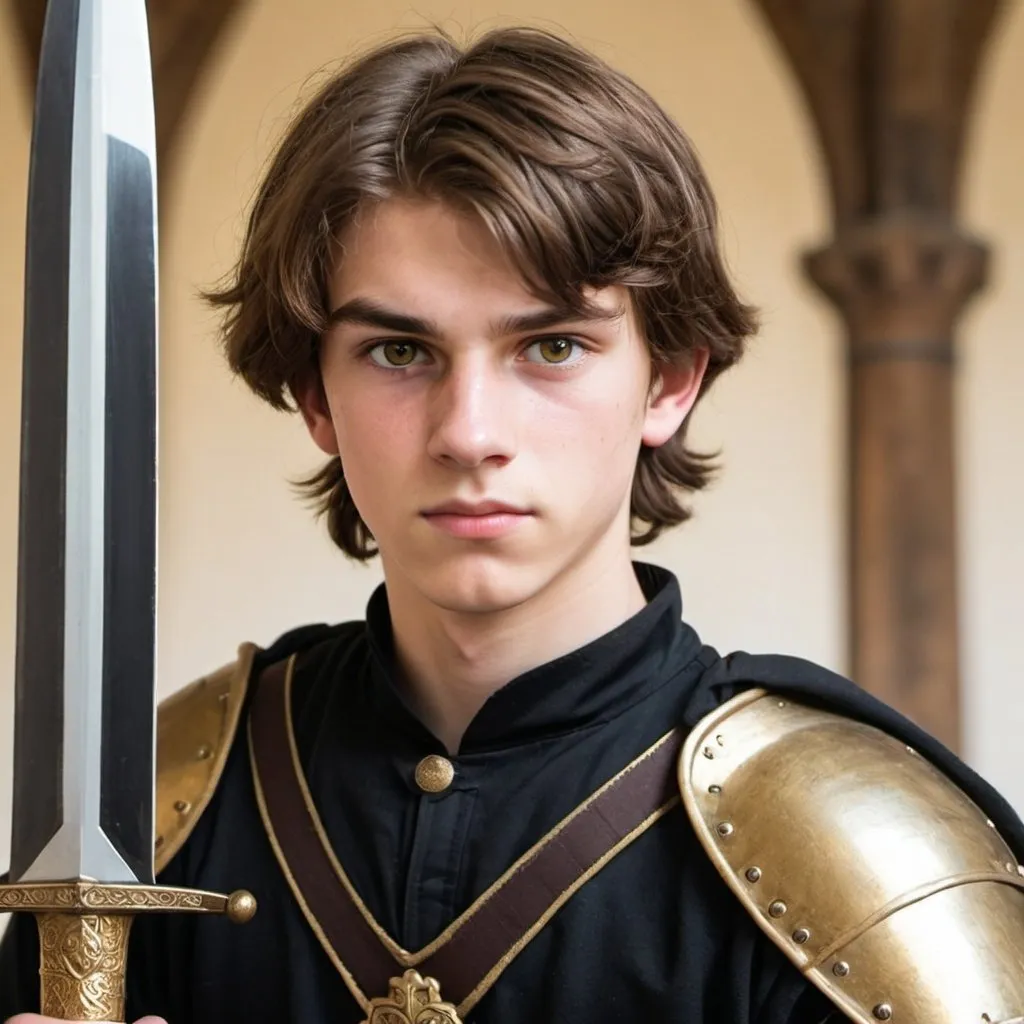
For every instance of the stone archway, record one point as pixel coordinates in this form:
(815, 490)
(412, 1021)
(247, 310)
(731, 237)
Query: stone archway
(182, 33)
(888, 85)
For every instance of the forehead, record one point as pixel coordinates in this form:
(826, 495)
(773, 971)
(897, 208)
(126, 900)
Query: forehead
(412, 244)
(426, 257)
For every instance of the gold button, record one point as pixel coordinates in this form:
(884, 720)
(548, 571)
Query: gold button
(434, 774)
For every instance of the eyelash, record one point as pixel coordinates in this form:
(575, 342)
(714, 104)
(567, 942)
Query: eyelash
(583, 350)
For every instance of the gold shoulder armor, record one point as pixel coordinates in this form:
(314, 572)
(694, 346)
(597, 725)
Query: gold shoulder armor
(195, 727)
(881, 880)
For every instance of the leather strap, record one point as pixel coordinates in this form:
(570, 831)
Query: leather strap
(471, 954)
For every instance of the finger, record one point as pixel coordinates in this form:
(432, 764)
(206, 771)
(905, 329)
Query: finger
(34, 1018)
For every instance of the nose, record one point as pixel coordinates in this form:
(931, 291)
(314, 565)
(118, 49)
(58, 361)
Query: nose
(469, 425)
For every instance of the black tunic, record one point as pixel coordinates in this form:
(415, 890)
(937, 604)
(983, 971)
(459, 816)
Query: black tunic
(655, 935)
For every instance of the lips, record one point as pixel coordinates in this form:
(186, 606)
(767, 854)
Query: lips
(477, 521)
(481, 508)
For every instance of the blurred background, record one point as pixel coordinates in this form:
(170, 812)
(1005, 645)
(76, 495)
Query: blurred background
(763, 564)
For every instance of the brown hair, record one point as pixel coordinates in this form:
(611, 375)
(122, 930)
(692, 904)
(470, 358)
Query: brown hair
(580, 175)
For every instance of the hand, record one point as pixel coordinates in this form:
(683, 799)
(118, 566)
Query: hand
(34, 1018)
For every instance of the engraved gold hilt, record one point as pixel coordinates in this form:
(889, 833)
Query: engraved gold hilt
(83, 937)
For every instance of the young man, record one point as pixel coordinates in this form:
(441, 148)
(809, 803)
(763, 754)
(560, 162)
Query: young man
(490, 281)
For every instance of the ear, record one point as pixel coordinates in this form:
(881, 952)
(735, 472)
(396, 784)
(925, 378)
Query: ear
(674, 391)
(316, 413)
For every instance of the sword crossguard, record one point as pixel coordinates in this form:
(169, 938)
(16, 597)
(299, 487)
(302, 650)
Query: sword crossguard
(83, 936)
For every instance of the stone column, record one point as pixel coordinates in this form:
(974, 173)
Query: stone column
(887, 83)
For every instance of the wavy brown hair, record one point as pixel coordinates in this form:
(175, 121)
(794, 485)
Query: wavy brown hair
(580, 175)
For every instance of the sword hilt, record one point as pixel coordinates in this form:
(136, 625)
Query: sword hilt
(83, 937)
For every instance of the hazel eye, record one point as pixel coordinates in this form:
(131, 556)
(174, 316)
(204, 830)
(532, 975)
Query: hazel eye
(556, 350)
(394, 354)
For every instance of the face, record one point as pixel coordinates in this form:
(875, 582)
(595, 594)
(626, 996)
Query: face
(445, 380)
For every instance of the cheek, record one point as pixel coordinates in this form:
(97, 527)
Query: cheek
(376, 441)
(600, 420)
(589, 443)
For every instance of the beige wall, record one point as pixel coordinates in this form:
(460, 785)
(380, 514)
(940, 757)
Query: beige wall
(991, 440)
(14, 131)
(761, 566)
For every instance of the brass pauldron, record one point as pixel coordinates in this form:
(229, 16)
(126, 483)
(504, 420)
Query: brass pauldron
(195, 729)
(877, 876)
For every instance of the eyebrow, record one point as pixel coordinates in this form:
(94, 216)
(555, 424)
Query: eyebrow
(368, 313)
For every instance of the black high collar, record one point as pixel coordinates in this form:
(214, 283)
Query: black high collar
(577, 690)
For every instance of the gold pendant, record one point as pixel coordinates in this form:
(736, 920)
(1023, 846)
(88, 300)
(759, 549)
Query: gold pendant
(412, 999)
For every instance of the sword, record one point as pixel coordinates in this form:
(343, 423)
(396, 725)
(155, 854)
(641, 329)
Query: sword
(84, 745)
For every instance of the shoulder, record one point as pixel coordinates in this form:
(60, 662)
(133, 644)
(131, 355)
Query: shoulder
(860, 858)
(195, 730)
(198, 724)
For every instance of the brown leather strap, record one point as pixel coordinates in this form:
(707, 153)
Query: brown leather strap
(474, 951)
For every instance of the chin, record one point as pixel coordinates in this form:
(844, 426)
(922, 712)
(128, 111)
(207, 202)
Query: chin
(480, 584)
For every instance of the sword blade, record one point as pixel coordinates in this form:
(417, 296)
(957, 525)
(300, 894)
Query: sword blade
(84, 676)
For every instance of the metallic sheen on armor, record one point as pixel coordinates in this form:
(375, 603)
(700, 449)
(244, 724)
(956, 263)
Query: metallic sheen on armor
(195, 728)
(877, 876)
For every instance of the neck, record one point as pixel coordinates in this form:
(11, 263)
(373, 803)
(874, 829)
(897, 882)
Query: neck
(453, 661)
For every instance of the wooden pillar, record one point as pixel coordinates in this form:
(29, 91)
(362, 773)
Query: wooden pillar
(182, 36)
(888, 84)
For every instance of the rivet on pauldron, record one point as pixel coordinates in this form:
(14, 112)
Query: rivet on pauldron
(801, 935)
(720, 740)
(204, 752)
(715, 789)
(777, 909)
(1012, 868)
(910, 750)
(990, 823)
(840, 968)
(883, 1011)
(725, 828)
(159, 842)
(709, 753)
(753, 874)
(182, 806)
(782, 703)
